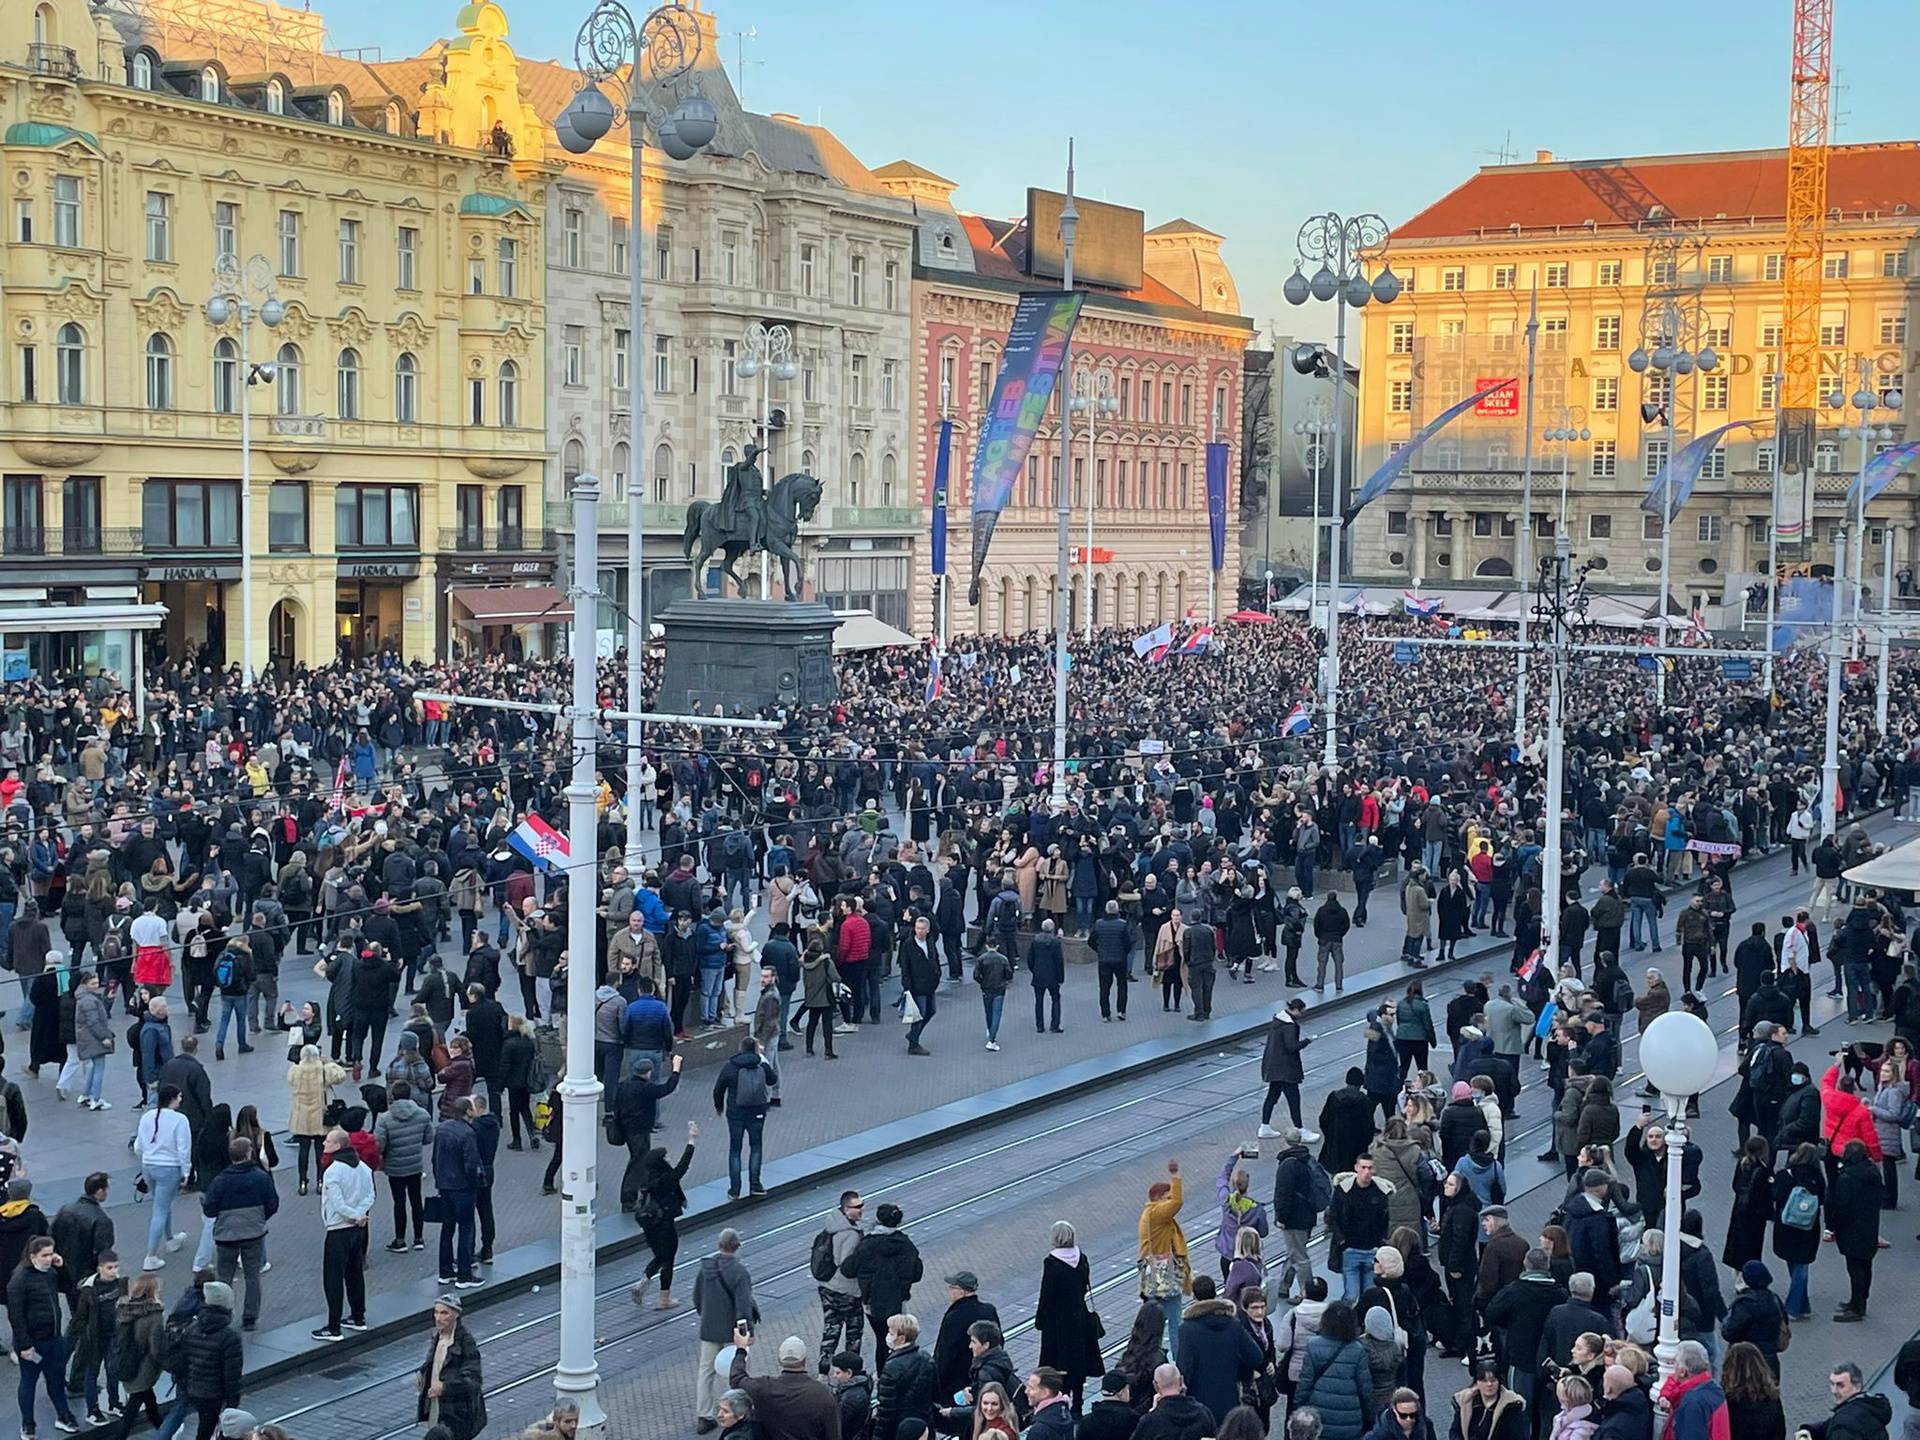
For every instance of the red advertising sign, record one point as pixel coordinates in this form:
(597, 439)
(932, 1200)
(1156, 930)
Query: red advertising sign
(1500, 402)
(1077, 554)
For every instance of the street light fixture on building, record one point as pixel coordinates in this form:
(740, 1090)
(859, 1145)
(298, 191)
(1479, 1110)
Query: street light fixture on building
(244, 291)
(1865, 401)
(1102, 404)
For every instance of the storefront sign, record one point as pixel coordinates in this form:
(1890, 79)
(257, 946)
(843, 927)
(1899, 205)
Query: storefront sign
(502, 569)
(173, 574)
(378, 569)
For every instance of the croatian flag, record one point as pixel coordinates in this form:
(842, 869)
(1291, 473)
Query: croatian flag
(935, 684)
(1412, 604)
(1530, 966)
(539, 842)
(1197, 642)
(1154, 640)
(338, 800)
(1298, 722)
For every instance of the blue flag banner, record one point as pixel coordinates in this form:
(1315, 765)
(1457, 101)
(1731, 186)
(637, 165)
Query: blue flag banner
(1382, 479)
(1803, 611)
(942, 461)
(1684, 469)
(1881, 469)
(1029, 369)
(1217, 501)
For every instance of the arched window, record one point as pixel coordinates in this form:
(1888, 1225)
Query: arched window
(573, 459)
(806, 462)
(856, 479)
(226, 377)
(727, 457)
(141, 71)
(406, 389)
(70, 365)
(276, 98)
(347, 384)
(616, 486)
(210, 85)
(393, 119)
(509, 394)
(889, 472)
(336, 109)
(286, 380)
(43, 25)
(159, 372)
(662, 472)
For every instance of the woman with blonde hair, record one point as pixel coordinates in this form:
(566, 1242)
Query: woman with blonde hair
(993, 1414)
(1246, 1268)
(1575, 1419)
(310, 1082)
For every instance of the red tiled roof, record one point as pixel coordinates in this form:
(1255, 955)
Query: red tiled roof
(1733, 186)
(1000, 253)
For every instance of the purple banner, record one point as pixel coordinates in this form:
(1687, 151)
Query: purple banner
(1685, 468)
(1382, 479)
(1029, 369)
(1217, 500)
(940, 466)
(1881, 469)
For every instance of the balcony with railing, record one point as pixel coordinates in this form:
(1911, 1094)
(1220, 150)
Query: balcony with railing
(867, 517)
(666, 517)
(35, 542)
(59, 61)
(494, 540)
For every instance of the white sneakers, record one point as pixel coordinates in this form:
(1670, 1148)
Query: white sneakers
(1267, 1132)
(993, 1044)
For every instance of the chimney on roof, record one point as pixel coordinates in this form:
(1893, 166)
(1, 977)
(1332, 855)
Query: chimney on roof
(1543, 157)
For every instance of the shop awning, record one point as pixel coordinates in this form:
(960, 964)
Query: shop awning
(863, 630)
(514, 604)
(1898, 869)
(62, 619)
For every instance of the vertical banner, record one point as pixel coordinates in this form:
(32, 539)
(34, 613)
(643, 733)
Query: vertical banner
(1217, 500)
(941, 462)
(1880, 471)
(1029, 369)
(1793, 476)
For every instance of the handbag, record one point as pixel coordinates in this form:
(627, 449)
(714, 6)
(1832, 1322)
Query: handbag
(1160, 1277)
(1093, 1314)
(1643, 1320)
(436, 1211)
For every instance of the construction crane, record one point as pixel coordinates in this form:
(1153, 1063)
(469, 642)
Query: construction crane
(1807, 137)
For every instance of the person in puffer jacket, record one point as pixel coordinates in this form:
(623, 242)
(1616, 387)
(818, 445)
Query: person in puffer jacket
(211, 1381)
(1846, 1115)
(404, 1133)
(240, 1202)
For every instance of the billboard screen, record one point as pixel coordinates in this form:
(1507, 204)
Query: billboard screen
(1108, 248)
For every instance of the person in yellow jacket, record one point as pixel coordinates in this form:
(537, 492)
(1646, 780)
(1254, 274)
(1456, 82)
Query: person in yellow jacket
(1166, 1276)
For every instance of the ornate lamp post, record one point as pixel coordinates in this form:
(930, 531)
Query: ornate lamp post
(631, 59)
(1344, 247)
(1679, 1053)
(1103, 404)
(1314, 434)
(1866, 402)
(769, 355)
(246, 290)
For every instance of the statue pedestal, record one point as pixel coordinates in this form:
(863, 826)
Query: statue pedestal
(746, 654)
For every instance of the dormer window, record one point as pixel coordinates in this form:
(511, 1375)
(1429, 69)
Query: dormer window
(210, 85)
(393, 119)
(336, 109)
(141, 71)
(946, 244)
(276, 98)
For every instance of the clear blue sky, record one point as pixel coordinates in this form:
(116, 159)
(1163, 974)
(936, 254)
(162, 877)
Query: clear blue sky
(1249, 115)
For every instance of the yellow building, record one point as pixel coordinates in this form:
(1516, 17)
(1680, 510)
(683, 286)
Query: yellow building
(1607, 244)
(396, 409)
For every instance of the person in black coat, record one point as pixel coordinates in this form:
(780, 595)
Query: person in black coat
(1459, 1255)
(1069, 1330)
(1281, 1065)
(212, 1378)
(1853, 1213)
(455, 1396)
(1048, 966)
(1215, 1348)
(951, 1356)
(1626, 1411)
(1112, 1416)
(1517, 1314)
(33, 1310)
(1753, 1204)
(887, 1265)
(1756, 1315)
(1346, 1123)
(1567, 1322)
(906, 1382)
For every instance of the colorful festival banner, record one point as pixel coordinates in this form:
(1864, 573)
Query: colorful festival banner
(1881, 469)
(941, 464)
(1685, 468)
(1382, 479)
(1217, 500)
(1029, 369)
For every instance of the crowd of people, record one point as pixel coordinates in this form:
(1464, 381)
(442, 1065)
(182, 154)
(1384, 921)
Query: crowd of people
(161, 865)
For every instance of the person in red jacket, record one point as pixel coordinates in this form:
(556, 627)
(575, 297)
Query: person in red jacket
(1845, 1117)
(853, 945)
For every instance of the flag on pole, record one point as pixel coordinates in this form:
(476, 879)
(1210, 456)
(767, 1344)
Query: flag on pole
(339, 799)
(539, 842)
(1298, 722)
(1531, 965)
(943, 459)
(1412, 604)
(1381, 481)
(1157, 639)
(935, 684)
(1696, 631)
(1198, 641)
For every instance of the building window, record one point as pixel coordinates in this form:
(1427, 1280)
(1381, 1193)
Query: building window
(809, 380)
(1653, 455)
(1893, 327)
(210, 85)
(1763, 458)
(23, 221)
(1556, 275)
(406, 250)
(573, 363)
(336, 109)
(70, 365)
(857, 280)
(1773, 267)
(1833, 333)
(808, 261)
(226, 377)
(1720, 268)
(1396, 522)
(1826, 457)
(1713, 391)
(857, 381)
(286, 380)
(349, 252)
(985, 391)
(80, 514)
(1607, 272)
(509, 394)
(1606, 392)
(662, 365)
(1662, 272)
(1400, 337)
(1606, 332)
(159, 372)
(1657, 389)
(1166, 401)
(1770, 391)
(573, 459)
(287, 516)
(617, 242)
(406, 389)
(29, 390)
(347, 385)
(1718, 333)
(159, 226)
(1599, 527)
(1651, 527)
(1707, 529)
(276, 98)
(1186, 404)
(949, 368)
(856, 480)
(622, 353)
(663, 254)
(1715, 467)
(142, 70)
(476, 275)
(508, 255)
(382, 517)
(510, 516)
(226, 229)
(1893, 264)
(1601, 463)
(890, 285)
(190, 514)
(1453, 277)
(67, 232)
(24, 515)
(1834, 267)
(477, 400)
(289, 242)
(1399, 397)
(1503, 277)
(662, 472)
(730, 259)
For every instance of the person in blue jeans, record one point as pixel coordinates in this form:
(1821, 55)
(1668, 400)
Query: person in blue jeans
(992, 972)
(39, 1337)
(710, 948)
(233, 976)
(458, 1174)
(742, 1092)
(1358, 1223)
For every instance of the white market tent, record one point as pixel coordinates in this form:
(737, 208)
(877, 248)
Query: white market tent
(1898, 869)
(862, 630)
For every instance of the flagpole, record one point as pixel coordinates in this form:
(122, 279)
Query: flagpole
(1069, 223)
(1526, 525)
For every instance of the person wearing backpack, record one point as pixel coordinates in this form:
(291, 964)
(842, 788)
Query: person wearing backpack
(840, 1323)
(233, 977)
(742, 1092)
(133, 1361)
(1802, 1193)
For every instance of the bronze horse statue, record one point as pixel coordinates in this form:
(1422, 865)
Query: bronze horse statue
(790, 499)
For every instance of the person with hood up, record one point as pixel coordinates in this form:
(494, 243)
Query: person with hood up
(1346, 1123)
(404, 1133)
(1217, 1354)
(1695, 1405)
(1401, 1161)
(886, 1265)
(21, 1220)
(1386, 1355)
(1756, 1316)
(1458, 1252)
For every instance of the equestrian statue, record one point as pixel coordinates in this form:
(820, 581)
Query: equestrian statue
(750, 516)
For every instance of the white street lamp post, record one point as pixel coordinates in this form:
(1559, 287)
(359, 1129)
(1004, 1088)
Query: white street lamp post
(1866, 402)
(1830, 765)
(1315, 434)
(237, 288)
(769, 355)
(1069, 228)
(1095, 407)
(1343, 246)
(1678, 1051)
